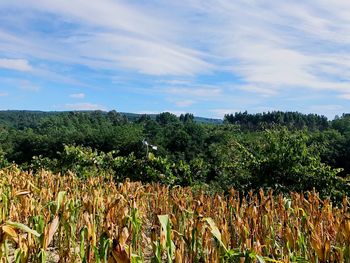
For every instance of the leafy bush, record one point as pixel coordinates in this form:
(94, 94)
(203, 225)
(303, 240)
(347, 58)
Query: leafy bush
(3, 160)
(288, 161)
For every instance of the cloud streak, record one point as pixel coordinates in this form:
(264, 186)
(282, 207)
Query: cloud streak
(15, 64)
(345, 96)
(117, 35)
(196, 52)
(28, 86)
(278, 45)
(77, 95)
(266, 43)
(84, 106)
(184, 103)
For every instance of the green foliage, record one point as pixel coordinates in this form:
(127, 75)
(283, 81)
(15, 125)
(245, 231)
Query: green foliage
(157, 169)
(342, 124)
(298, 152)
(166, 118)
(3, 160)
(279, 159)
(85, 161)
(293, 120)
(287, 161)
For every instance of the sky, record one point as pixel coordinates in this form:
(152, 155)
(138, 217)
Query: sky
(208, 58)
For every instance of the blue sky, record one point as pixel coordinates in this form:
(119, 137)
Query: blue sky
(207, 57)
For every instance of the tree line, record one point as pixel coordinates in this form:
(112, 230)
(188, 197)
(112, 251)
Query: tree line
(286, 151)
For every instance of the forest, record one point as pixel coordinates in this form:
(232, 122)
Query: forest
(282, 151)
(110, 187)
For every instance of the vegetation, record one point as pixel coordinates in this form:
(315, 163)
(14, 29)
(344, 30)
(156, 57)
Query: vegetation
(48, 217)
(101, 187)
(280, 151)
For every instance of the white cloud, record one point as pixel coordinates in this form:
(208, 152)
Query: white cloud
(15, 64)
(265, 92)
(220, 113)
(204, 92)
(184, 103)
(77, 95)
(328, 110)
(138, 53)
(84, 106)
(345, 96)
(280, 44)
(104, 13)
(3, 94)
(269, 46)
(264, 109)
(176, 82)
(117, 36)
(28, 86)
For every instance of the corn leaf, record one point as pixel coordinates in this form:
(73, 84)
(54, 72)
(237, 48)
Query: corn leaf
(60, 198)
(23, 228)
(215, 231)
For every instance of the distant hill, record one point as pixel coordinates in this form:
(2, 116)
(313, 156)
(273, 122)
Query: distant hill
(135, 116)
(29, 119)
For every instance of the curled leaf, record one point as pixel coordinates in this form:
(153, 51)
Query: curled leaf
(23, 228)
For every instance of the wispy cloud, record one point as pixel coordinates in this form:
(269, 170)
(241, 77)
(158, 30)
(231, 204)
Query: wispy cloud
(28, 86)
(220, 113)
(264, 91)
(77, 95)
(345, 96)
(207, 92)
(143, 55)
(176, 82)
(3, 94)
(84, 106)
(326, 107)
(184, 103)
(268, 44)
(275, 45)
(329, 110)
(15, 64)
(118, 35)
(207, 52)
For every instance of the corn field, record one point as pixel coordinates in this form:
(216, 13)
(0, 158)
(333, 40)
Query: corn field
(52, 218)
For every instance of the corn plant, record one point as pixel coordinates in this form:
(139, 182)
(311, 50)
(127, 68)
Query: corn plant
(49, 217)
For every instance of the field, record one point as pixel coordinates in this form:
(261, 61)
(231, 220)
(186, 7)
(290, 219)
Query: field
(51, 218)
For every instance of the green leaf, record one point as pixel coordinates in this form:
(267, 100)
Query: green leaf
(60, 198)
(104, 246)
(136, 259)
(23, 228)
(42, 256)
(151, 156)
(164, 220)
(260, 259)
(82, 244)
(267, 259)
(165, 224)
(215, 231)
(97, 255)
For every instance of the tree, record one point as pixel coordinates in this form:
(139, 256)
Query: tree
(188, 117)
(287, 161)
(166, 118)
